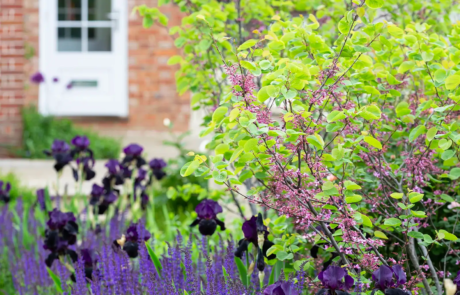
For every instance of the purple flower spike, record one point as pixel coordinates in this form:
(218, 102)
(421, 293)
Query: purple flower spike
(37, 78)
(280, 288)
(5, 191)
(41, 198)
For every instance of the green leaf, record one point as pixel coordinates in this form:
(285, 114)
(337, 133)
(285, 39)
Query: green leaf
(251, 145)
(56, 280)
(427, 238)
(393, 222)
(248, 44)
(353, 199)
(265, 64)
(263, 95)
(242, 271)
(282, 255)
(380, 235)
(236, 154)
(351, 186)
(406, 66)
(316, 140)
(335, 116)
(366, 221)
(440, 75)
(147, 22)
(454, 173)
(416, 132)
(447, 235)
(397, 195)
(431, 133)
(447, 198)
(219, 176)
(190, 168)
(222, 148)
(446, 155)
(154, 258)
(219, 114)
(248, 65)
(415, 234)
(452, 82)
(373, 142)
(395, 31)
(174, 60)
(374, 4)
(276, 271)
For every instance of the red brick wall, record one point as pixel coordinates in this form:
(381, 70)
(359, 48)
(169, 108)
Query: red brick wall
(11, 72)
(152, 90)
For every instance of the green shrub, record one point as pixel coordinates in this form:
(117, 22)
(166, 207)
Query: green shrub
(17, 188)
(40, 131)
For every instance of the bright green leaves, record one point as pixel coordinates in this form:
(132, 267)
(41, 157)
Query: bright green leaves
(189, 168)
(452, 82)
(395, 222)
(222, 148)
(351, 186)
(219, 114)
(251, 145)
(415, 197)
(380, 235)
(316, 140)
(443, 234)
(454, 173)
(416, 132)
(415, 235)
(374, 4)
(406, 66)
(395, 31)
(150, 15)
(247, 44)
(431, 133)
(267, 92)
(373, 142)
(397, 195)
(335, 116)
(371, 113)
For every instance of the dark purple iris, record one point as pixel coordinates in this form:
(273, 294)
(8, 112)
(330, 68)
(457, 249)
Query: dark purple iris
(135, 234)
(37, 78)
(5, 191)
(102, 198)
(457, 280)
(133, 154)
(207, 220)
(86, 165)
(280, 288)
(41, 199)
(61, 233)
(80, 143)
(254, 231)
(388, 279)
(114, 174)
(335, 280)
(60, 151)
(157, 166)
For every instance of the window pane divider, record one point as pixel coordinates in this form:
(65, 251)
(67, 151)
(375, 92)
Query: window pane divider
(92, 24)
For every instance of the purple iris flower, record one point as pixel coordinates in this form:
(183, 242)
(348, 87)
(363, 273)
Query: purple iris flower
(114, 173)
(60, 151)
(37, 78)
(61, 233)
(157, 166)
(5, 191)
(280, 288)
(80, 143)
(41, 199)
(335, 279)
(252, 230)
(457, 280)
(87, 164)
(388, 279)
(102, 198)
(134, 234)
(133, 154)
(207, 220)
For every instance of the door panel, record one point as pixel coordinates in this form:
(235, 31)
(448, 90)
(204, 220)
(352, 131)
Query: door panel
(85, 48)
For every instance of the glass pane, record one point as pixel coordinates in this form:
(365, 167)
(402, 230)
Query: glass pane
(69, 39)
(99, 9)
(69, 10)
(99, 39)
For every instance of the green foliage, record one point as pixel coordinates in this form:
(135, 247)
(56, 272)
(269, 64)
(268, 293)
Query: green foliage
(40, 131)
(18, 189)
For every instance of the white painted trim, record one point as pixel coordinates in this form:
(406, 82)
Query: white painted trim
(47, 20)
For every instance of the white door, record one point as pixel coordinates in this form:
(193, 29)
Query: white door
(83, 57)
